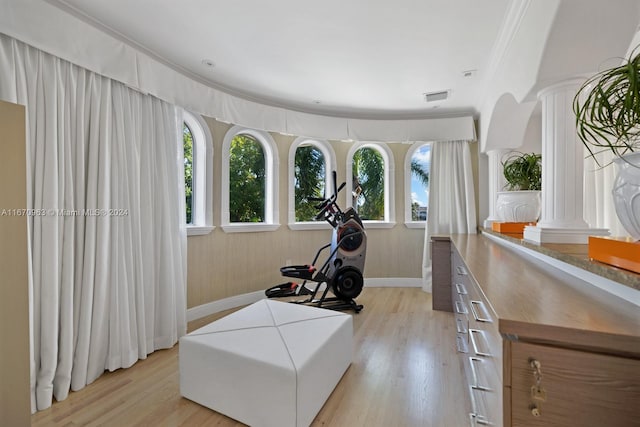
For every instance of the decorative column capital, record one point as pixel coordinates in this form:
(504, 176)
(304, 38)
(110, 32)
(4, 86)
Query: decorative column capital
(568, 85)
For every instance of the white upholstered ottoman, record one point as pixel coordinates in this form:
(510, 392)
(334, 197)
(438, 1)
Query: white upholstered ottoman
(270, 364)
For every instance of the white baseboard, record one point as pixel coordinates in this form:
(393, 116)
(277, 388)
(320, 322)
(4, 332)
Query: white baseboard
(213, 307)
(223, 304)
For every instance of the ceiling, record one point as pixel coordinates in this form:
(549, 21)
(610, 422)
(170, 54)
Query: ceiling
(358, 58)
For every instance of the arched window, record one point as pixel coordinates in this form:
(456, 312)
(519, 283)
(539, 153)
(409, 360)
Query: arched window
(198, 172)
(417, 166)
(249, 181)
(370, 175)
(310, 165)
(187, 144)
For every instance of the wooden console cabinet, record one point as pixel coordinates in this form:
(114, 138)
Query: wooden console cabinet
(15, 398)
(539, 347)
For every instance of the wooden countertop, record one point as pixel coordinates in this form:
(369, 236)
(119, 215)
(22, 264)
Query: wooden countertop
(540, 303)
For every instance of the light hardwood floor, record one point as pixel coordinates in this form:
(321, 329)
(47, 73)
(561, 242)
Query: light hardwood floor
(405, 372)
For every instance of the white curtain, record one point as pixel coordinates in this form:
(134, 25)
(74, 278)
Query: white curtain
(107, 238)
(599, 211)
(452, 207)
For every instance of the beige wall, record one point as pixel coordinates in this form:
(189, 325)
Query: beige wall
(227, 264)
(15, 400)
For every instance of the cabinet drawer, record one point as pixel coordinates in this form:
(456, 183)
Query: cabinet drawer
(479, 345)
(485, 408)
(480, 375)
(459, 272)
(462, 325)
(580, 388)
(480, 312)
(457, 294)
(459, 291)
(462, 344)
(486, 391)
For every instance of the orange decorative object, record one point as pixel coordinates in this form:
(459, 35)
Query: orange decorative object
(510, 227)
(622, 252)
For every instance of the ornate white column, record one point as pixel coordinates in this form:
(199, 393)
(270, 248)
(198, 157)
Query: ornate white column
(562, 218)
(496, 183)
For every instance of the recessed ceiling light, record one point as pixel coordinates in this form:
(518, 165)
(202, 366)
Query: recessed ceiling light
(208, 63)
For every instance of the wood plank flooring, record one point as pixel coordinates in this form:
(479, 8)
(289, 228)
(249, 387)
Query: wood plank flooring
(404, 373)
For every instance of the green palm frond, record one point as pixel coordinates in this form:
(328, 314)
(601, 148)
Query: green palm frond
(607, 109)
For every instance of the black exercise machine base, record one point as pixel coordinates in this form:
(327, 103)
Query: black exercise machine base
(332, 304)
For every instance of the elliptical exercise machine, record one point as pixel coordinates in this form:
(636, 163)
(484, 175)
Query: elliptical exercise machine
(342, 270)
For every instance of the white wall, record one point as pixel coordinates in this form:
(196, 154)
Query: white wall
(532, 139)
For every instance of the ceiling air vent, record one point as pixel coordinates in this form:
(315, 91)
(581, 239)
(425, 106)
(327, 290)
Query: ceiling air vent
(436, 96)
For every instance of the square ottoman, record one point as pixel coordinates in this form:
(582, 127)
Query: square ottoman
(269, 364)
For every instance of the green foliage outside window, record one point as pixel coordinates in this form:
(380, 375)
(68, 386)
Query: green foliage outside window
(187, 143)
(368, 175)
(419, 171)
(415, 211)
(246, 180)
(310, 175)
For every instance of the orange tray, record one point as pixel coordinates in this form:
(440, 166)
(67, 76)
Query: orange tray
(510, 227)
(622, 252)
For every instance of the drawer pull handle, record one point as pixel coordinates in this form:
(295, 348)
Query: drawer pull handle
(474, 375)
(475, 313)
(461, 271)
(478, 420)
(460, 326)
(461, 308)
(472, 332)
(461, 345)
(461, 289)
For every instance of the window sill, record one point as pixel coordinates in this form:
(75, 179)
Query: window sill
(309, 225)
(249, 227)
(199, 230)
(378, 224)
(416, 224)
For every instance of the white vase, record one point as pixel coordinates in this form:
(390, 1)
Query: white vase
(626, 193)
(518, 206)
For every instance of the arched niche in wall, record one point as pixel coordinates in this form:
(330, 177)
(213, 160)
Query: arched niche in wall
(532, 139)
(508, 124)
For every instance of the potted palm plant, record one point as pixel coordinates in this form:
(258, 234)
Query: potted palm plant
(523, 173)
(607, 109)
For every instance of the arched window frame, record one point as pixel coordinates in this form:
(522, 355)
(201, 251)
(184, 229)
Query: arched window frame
(408, 222)
(202, 195)
(329, 164)
(272, 166)
(389, 182)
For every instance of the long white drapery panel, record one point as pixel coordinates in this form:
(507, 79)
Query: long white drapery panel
(599, 210)
(107, 240)
(452, 206)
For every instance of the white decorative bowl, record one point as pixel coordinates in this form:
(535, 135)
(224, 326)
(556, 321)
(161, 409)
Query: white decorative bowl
(626, 193)
(518, 206)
